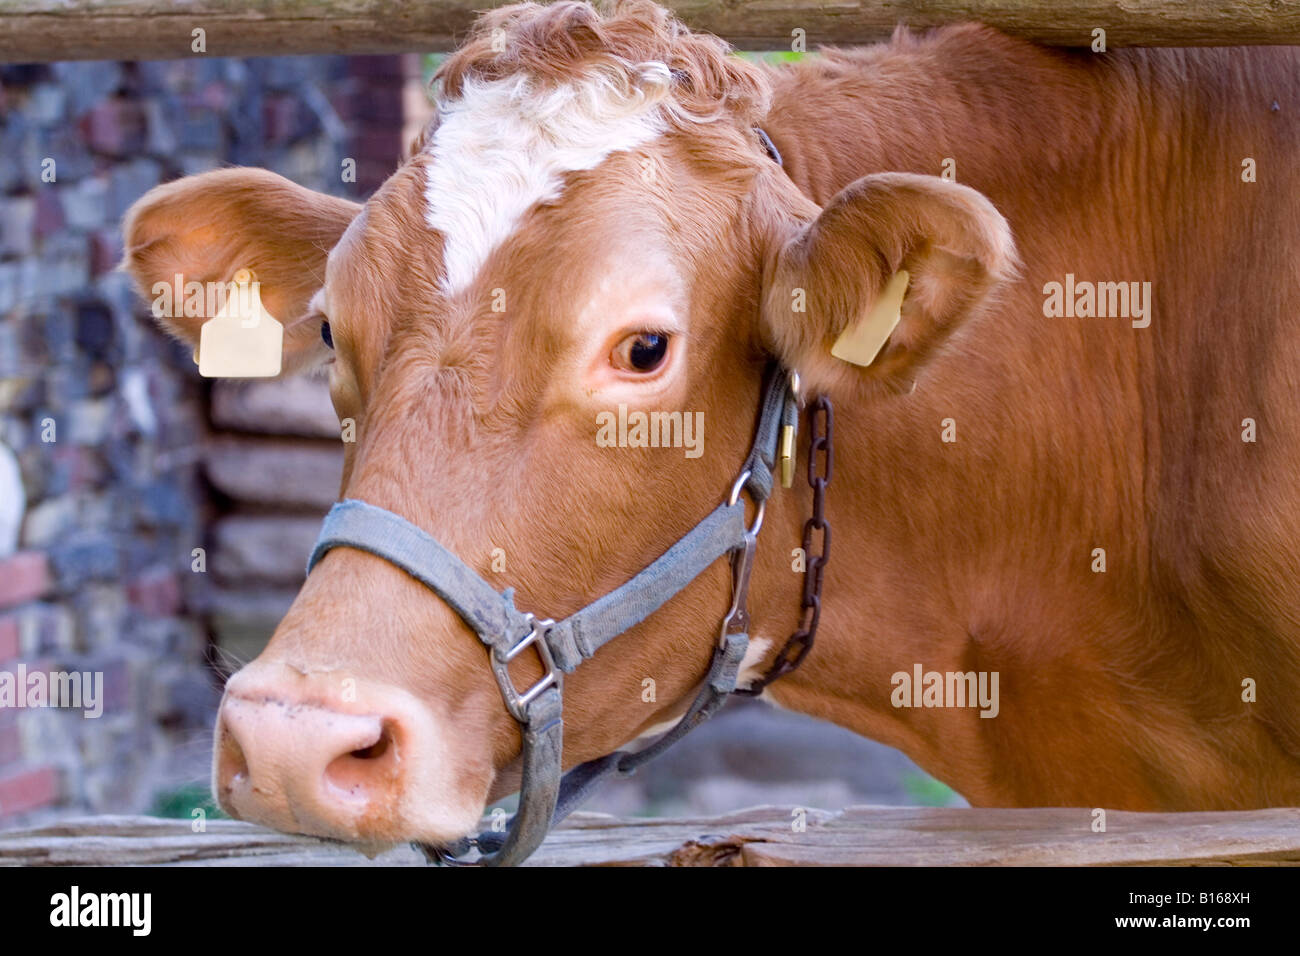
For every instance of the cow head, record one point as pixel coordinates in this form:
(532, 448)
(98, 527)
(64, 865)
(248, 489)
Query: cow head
(589, 222)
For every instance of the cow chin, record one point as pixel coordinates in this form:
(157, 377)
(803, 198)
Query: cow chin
(328, 754)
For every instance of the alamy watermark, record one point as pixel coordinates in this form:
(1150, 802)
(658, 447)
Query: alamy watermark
(74, 690)
(922, 688)
(624, 429)
(1073, 299)
(133, 911)
(200, 300)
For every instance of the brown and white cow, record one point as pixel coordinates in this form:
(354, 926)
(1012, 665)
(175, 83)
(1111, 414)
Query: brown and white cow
(599, 174)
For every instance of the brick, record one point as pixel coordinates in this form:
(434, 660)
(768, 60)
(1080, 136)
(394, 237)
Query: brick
(94, 329)
(17, 280)
(11, 744)
(45, 628)
(128, 182)
(49, 520)
(243, 620)
(265, 549)
(117, 680)
(87, 83)
(67, 378)
(101, 379)
(215, 95)
(49, 214)
(161, 140)
(161, 77)
(301, 474)
(17, 145)
(135, 395)
(13, 500)
(85, 558)
(201, 131)
(64, 264)
(105, 251)
(24, 577)
(10, 642)
(164, 503)
(89, 422)
(29, 790)
(157, 593)
(63, 144)
(72, 468)
(299, 405)
(200, 162)
(115, 127)
(46, 104)
(85, 204)
(102, 614)
(17, 225)
(12, 361)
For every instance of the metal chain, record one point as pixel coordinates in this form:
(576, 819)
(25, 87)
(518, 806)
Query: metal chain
(821, 452)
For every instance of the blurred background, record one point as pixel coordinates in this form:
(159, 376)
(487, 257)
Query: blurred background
(154, 526)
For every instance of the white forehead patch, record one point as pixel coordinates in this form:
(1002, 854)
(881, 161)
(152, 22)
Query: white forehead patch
(502, 147)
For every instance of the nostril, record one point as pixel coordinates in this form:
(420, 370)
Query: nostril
(375, 750)
(232, 765)
(360, 773)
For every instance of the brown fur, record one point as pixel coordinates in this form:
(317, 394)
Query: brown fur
(1120, 689)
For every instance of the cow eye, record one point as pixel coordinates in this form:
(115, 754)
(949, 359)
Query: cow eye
(325, 334)
(643, 352)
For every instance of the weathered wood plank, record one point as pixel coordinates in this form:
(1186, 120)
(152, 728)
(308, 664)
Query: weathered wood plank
(45, 30)
(761, 836)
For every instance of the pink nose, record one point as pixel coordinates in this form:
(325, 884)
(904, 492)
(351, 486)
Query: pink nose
(302, 767)
(334, 756)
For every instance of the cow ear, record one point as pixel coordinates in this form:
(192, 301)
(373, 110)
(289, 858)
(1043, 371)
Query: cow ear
(865, 293)
(206, 228)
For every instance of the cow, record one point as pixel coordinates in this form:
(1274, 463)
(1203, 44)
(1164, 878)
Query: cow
(1069, 476)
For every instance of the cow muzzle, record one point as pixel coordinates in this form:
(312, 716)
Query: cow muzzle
(330, 754)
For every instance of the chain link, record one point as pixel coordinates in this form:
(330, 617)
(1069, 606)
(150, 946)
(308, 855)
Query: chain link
(821, 465)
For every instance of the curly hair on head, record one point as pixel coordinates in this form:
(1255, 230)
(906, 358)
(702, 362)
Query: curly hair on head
(636, 46)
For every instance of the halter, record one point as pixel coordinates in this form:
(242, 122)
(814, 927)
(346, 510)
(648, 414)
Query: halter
(547, 796)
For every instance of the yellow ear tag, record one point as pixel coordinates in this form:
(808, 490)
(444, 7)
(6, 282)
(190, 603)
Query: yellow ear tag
(242, 340)
(860, 344)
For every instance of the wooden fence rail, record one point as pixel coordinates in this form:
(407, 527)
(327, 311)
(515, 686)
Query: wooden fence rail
(762, 836)
(45, 30)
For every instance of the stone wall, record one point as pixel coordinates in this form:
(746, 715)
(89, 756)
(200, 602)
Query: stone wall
(112, 470)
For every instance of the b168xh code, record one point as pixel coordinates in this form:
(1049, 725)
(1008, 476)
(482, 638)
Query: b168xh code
(1225, 897)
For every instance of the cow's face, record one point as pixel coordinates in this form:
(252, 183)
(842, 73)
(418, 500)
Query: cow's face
(589, 232)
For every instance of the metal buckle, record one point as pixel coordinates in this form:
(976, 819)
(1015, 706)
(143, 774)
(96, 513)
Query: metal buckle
(742, 563)
(516, 702)
(736, 489)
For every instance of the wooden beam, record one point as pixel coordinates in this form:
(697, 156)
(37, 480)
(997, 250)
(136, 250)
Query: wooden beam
(47, 30)
(762, 836)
